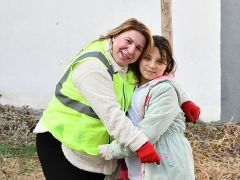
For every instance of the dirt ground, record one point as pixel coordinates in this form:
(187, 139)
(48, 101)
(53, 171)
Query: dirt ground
(16, 168)
(216, 147)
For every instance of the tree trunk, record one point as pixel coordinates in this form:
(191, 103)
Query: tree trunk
(166, 20)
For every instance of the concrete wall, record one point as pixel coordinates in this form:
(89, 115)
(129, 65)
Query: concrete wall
(230, 53)
(38, 38)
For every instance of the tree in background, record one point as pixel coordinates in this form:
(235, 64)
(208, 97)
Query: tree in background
(166, 20)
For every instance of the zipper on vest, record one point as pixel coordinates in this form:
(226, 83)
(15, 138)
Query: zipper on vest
(124, 98)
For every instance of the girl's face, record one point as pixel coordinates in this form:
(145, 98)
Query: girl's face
(152, 66)
(127, 47)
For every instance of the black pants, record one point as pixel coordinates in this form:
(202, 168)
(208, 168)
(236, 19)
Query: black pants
(54, 164)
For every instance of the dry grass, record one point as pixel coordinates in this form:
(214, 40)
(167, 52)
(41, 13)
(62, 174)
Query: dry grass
(18, 159)
(216, 150)
(17, 168)
(216, 147)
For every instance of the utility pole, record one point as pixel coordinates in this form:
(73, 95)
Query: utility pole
(166, 20)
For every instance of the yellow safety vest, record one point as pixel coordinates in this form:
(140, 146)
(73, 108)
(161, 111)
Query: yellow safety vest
(69, 116)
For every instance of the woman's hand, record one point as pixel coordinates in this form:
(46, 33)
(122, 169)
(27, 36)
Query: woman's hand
(191, 110)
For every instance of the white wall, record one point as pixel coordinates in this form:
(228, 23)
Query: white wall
(196, 26)
(38, 38)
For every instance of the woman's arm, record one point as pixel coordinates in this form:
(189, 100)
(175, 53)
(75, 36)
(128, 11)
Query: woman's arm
(191, 110)
(95, 84)
(162, 110)
(114, 151)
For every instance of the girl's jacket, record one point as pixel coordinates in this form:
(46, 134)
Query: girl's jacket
(163, 122)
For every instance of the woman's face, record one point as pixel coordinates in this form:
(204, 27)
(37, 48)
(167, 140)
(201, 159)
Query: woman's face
(152, 66)
(127, 47)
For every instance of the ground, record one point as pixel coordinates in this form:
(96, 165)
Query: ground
(216, 147)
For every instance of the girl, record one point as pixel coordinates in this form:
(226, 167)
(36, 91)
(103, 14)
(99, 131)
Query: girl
(156, 110)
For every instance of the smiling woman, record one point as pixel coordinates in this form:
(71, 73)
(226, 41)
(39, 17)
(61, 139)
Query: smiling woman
(78, 118)
(127, 47)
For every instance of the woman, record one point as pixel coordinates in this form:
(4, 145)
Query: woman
(89, 105)
(156, 110)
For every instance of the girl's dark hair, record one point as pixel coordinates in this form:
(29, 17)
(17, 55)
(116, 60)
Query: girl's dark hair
(165, 51)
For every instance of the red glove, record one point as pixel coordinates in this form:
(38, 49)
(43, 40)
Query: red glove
(123, 172)
(147, 154)
(191, 110)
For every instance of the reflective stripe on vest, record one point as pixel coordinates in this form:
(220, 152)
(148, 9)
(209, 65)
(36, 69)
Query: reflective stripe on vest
(76, 105)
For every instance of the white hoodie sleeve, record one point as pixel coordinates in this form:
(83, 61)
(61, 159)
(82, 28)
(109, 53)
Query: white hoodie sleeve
(96, 85)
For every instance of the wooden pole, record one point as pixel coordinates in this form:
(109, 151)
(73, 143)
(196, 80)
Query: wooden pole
(166, 20)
